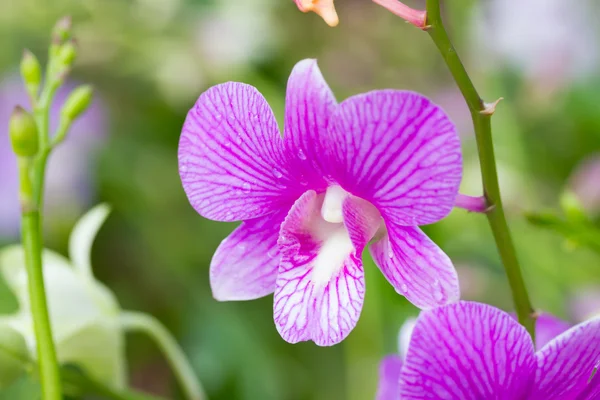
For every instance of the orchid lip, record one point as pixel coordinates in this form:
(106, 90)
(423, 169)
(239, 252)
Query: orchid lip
(330, 259)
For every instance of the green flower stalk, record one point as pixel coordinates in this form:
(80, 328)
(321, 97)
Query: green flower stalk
(30, 138)
(481, 114)
(430, 20)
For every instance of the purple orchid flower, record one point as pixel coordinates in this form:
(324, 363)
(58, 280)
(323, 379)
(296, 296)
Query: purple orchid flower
(367, 170)
(474, 351)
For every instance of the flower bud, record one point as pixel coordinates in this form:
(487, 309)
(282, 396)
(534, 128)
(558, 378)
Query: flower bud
(67, 54)
(23, 133)
(77, 102)
(62, 30)
(31, 72)
(13, 355)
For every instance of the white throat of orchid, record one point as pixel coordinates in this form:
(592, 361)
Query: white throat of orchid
(331, 231)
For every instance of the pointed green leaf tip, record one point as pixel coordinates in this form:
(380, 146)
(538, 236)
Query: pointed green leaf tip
(83, 235)
(23, 133)
(77, 102)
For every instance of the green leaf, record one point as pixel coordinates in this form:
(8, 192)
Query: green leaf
(25, 388)
(581, 233)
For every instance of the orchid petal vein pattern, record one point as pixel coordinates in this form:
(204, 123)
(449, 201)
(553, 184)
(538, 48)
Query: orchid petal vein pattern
(365, 172)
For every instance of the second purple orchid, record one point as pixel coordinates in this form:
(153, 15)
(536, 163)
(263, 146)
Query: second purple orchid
(366, 171)
(473, 351)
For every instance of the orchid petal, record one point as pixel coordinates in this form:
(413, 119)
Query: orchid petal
(547, 327)
(416, 267)
(82, 238)
(324, 8)
(467, 351)
(361, 220)
(398, 151)
(309, 105)
(320, 285)
(72, 302)
(231, 155)
(566, 363)
(592, 389)
(245, 264)
(105, 359)
(389, 378)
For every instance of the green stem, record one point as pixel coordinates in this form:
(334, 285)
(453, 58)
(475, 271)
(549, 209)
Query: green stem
(31, 174)
(135, 321)
(63, 127)
(42, 115)
(32, 245)
(485, 147)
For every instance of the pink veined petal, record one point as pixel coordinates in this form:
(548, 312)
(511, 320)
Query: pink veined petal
(547, 327)
(362, 220)
(416, 267)
(467, 351)
(244, 266)
(309, 104)
(400, 152)
(320, 285)
(592, 389)
(231, 155)
(566, 363)
(389, 378)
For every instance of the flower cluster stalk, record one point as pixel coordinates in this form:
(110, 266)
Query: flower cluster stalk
(481, 114)
(31, 233)
(32, 245)
(32, 171)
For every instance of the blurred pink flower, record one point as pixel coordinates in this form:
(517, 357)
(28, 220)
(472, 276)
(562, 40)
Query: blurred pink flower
(584, 183)
(68, 179)
(551, 42)
(585, 303)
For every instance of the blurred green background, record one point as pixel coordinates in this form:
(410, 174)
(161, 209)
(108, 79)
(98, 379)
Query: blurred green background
(150, 59)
